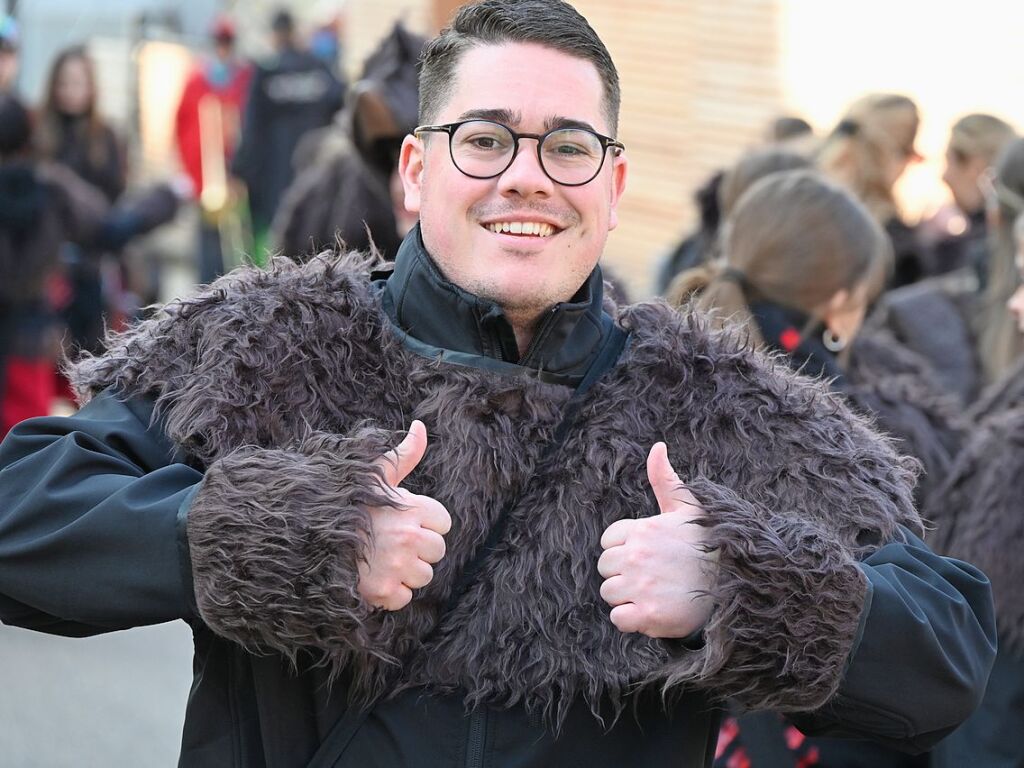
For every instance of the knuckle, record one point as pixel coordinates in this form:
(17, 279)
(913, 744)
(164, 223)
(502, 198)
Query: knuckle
(443, 545)
(635, 557)
(407, 537)
(398, 596)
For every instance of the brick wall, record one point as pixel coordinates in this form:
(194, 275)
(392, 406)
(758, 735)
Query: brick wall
(700, 80)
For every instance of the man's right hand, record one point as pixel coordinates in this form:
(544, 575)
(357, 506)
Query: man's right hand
(407, 540)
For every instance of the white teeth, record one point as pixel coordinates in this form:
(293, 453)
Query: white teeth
(534, 228)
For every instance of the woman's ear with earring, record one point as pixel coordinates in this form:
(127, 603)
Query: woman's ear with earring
(833, 341)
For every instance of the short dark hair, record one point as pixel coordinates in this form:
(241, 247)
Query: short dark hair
(551, 23)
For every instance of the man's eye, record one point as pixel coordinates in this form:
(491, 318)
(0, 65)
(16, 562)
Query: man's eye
(570, 149)
(485, 142)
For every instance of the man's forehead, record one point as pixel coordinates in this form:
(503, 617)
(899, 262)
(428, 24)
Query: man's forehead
(517, 83)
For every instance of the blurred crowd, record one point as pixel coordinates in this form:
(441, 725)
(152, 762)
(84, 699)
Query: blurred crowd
(801, 247)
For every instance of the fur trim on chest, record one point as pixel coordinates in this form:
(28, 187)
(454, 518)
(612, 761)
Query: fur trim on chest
(288, 385)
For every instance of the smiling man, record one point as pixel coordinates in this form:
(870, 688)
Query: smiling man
(599, 524)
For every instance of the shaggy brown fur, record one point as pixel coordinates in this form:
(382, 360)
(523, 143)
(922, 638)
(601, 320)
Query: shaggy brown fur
(795, 490)
(980, 517)
(901, 390)
(1003, 395)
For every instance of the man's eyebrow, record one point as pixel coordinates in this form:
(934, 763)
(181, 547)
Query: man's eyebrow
(558, 121)
(503, 116)
(512, 119)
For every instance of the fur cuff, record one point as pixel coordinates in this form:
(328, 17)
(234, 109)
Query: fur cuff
(788, 599)
(276, 538)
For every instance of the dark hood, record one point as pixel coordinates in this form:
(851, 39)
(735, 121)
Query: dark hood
(385, 98)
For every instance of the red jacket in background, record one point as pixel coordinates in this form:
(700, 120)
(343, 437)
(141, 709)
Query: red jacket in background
(231, 96)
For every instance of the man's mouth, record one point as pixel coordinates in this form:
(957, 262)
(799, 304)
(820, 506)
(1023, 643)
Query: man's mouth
(523, 228)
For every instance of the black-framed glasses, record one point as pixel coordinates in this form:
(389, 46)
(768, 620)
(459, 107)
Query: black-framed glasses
(483, 149)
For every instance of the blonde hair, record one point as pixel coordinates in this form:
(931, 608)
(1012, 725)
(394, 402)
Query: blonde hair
(980, 135)
(1000, 342)
(874, 128)
(794, 239)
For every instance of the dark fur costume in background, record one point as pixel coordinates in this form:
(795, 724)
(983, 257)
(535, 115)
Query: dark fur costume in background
(341, 192)
(289, 384)
(909, 402)
(979, 511)
(1001, 396)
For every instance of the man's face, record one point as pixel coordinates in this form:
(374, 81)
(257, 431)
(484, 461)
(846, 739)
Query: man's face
(961, 176)
(532, 89)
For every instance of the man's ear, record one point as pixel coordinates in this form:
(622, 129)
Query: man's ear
(410, 169)
(620, 169)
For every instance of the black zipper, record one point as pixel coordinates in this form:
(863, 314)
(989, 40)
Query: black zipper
(477, 738)
(543, 329)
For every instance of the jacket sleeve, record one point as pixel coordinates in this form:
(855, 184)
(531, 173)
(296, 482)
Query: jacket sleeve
(925, 646)
(277, 536)
(81, 207)
(895, 648)
(92, 522)
(137, 215)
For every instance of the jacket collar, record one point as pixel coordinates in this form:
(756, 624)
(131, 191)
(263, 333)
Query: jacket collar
(437, 318)
(791, 331)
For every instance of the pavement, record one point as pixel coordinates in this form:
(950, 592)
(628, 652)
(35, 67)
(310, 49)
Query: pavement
(110, 701)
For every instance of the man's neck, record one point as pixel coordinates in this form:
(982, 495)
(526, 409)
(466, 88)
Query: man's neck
(524, 325)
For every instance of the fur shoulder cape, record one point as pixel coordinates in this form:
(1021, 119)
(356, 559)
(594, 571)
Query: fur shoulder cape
(289, 383)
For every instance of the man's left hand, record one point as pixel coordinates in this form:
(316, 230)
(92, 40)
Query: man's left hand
(656, 570)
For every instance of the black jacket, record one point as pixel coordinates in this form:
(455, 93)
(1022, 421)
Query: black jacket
(828, 604)
(291, 94)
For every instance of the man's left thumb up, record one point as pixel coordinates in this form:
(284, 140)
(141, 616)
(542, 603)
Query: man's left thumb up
(664, 480)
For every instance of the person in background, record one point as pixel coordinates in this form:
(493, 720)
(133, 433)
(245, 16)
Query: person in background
(325, 42)
(343, 191)
(999, 343)
(8, 53)
(726, 188)
(43, 207)
(207, 124)
(868, 152)
(290, 94)
(977, 515)
(957, 319)
(801, 261)
(72, 132)
(975, 143)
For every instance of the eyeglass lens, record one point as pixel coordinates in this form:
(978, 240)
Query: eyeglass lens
(484, 149)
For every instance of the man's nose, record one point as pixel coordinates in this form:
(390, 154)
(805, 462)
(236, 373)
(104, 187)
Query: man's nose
(525, 177)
